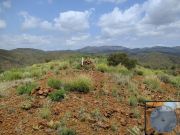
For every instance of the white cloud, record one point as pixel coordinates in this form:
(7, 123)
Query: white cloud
(6, 3)
(24, 41)
(79, 39)
(34, 22)
(118, 22)
(152, 18)
(29, 21)
(46, 25)
(2, 24)
(70, 21)
(110, 1)
(161, 12)
(47, 42)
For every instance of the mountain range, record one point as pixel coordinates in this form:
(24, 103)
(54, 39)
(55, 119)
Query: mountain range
(154, 57)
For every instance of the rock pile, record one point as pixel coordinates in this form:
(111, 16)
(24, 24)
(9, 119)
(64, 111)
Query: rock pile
(88, 64)
(42, 92)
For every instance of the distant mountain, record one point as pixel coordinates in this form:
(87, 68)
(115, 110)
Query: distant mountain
(26, 56)
(101, 49)
(160, 49)
(110, 49)
(155, 57)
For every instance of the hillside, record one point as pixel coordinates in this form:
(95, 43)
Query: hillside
(63, 98)
(155, 57)
(23, 57)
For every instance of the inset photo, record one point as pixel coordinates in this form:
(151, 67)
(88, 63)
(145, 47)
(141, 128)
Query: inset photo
(162, 117)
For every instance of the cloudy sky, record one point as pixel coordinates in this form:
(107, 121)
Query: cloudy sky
(72, 24)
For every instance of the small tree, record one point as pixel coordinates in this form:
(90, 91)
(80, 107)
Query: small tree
(130, 64)
(117, 58)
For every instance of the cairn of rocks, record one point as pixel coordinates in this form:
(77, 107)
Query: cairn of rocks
(42, 92)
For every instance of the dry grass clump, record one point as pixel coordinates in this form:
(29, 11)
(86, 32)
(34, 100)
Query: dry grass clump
(81, 83)
(153, 83)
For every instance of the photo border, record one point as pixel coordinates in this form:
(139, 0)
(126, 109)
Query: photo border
(145, 108)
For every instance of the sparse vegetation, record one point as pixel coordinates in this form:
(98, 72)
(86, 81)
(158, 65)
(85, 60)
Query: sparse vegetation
(26, 88)
(96, 114)
(63, 65)
(114, 127)
(82, 114)
(135, 113)
(57, 95)
(12, 75)
(164, 78)
(123, 80)
(153, 83)
(133, 101)
(54, 83)
(138, 72)
(175, 81)
(81, 83)
(45, 112)
(112, 86)
(26, 105)
(66, 131)
(102, 67)
(132, 88)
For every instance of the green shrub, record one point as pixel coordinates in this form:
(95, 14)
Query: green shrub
(63, 65)
(66, 131)
(47, 60)
(36, 72)
(130, 64)
(102, 67)
(138, 72)
(97, 115)
(58, 95)
(125, 71)
(123, 80)
(81, 84)
(26, 88)
(175, 81)
(117, 58)
(26, 105)
(135, 113)
(54, 83)
(82, 114)
(51, 67)
(153, 84)
(133, 88)
(133, 101)
(45, 112)
(114, 127)
(12, 75)
(164, 78)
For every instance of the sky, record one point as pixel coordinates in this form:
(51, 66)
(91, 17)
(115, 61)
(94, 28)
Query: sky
(73, 24)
